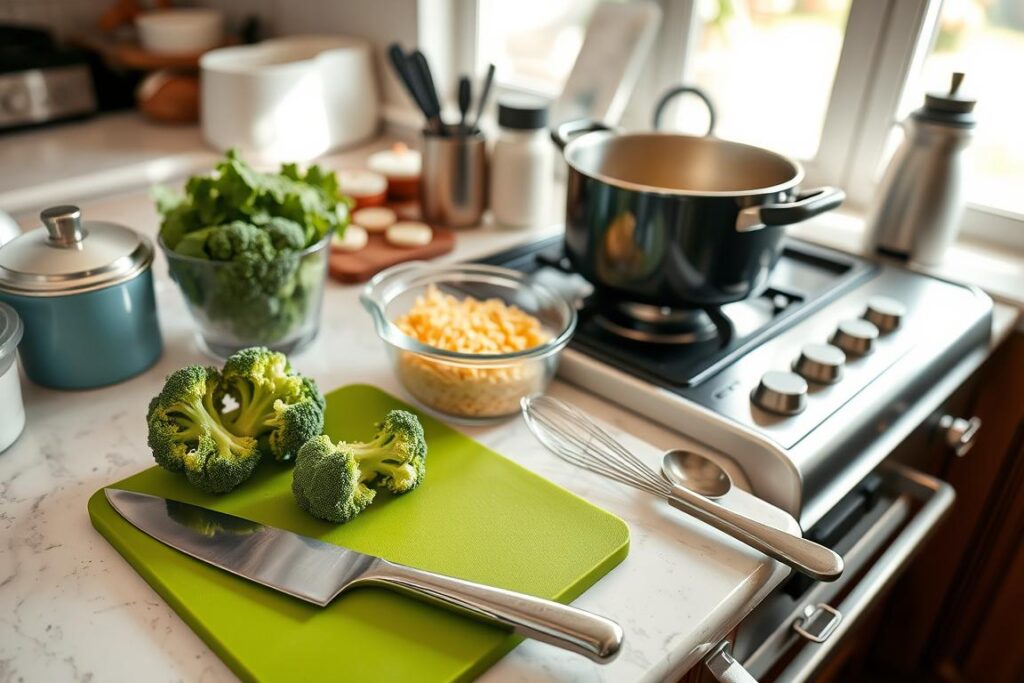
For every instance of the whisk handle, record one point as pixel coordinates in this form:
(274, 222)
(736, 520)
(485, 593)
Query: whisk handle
(805, 556)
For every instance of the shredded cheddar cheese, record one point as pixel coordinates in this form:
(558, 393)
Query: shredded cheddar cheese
(470, 326)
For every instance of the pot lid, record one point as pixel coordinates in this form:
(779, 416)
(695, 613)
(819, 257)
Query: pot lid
(10, 333)
(69, 256)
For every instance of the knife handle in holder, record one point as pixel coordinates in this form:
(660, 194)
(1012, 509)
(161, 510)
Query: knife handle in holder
(563, 626)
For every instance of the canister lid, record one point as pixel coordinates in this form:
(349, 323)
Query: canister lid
(69, 256)
(10, 334)
(951, 108)
(522, 112)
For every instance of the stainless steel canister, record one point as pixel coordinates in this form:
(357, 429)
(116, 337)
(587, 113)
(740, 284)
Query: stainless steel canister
(84, 292)
(921, 195)
(453, 180)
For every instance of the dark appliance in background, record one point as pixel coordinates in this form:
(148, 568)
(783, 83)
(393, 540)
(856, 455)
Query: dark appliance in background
(43, 81)
(40, 81)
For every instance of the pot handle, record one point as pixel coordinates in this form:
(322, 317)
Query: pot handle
(807, 204)
(565, 132)
(675, 92)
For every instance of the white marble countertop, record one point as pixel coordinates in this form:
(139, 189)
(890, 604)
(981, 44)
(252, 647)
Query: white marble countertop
(72, 609)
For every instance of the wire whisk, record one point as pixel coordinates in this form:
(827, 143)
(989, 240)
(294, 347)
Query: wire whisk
(571, 435)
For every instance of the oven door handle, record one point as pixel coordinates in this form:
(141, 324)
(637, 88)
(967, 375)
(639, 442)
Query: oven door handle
(724, 667)
(937, 497)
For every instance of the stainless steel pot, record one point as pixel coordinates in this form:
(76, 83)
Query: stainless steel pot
(678, 220)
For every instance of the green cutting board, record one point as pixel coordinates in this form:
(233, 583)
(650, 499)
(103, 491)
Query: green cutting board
(477, 516)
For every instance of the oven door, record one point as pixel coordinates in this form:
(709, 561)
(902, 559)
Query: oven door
(794, 631)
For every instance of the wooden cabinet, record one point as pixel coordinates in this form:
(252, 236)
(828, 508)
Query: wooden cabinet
(958, 613)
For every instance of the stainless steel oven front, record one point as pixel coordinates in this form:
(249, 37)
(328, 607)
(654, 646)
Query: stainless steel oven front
(877, 528)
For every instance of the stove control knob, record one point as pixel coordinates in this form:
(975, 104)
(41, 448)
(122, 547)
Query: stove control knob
(885, 313)
(784, 393)
(820, 363)
(856, 336)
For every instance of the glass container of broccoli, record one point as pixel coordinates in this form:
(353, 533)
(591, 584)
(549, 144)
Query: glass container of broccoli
(249, 252)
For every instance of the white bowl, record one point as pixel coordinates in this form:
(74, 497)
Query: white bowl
(180, 31)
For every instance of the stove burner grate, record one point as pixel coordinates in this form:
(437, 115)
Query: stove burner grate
(657, 324)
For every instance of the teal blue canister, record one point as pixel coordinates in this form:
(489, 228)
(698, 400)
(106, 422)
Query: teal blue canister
(84, 291)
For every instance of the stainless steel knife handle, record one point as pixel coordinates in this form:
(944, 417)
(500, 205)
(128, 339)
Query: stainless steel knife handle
(569, 628)
(806, 556)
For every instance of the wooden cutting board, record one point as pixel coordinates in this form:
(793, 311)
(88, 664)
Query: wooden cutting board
(360, 266)
(477, 516)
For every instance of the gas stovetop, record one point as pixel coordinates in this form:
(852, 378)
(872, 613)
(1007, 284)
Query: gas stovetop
(764, 380)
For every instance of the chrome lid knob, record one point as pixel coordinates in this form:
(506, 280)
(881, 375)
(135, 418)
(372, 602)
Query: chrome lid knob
(885, 313)
(820, 363)
(63, 224)
(780, 392)
(856, 336)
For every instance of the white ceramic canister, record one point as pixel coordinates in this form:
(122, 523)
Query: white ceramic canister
(289, 99)
(12, 411)
(522, 164)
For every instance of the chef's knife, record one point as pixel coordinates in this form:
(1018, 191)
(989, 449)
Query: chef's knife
(317, 572)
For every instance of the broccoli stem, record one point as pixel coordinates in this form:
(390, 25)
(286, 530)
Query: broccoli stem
(255, 408)
(206, 417)
(375, 458)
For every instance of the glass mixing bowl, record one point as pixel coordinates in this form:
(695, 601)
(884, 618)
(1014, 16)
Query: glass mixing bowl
(238, 304)
(469, 387)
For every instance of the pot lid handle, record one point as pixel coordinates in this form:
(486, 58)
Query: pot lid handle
(675, 92)
(64, 225)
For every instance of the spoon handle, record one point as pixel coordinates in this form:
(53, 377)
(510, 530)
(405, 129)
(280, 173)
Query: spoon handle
(806, 556)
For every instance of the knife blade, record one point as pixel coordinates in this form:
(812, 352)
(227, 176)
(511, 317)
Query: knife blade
(316, 571)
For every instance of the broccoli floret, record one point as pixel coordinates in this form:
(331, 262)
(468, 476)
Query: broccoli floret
(187, 433)
(284, 234)
(396, 457)
(336, 481)
(238, 240)
(276, 405)
(326, 482)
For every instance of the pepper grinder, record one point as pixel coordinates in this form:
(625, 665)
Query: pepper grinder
(921, 195)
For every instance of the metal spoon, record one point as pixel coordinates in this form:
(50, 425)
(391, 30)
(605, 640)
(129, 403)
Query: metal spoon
(695, 479)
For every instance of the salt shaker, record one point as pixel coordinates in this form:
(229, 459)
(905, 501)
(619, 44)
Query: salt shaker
(921, 195)
(523, 164)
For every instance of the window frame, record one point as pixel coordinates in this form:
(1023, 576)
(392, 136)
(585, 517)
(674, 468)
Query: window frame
(893, 38)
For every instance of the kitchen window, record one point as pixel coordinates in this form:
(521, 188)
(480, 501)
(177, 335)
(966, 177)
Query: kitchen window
(825, 81)
(533, 43)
